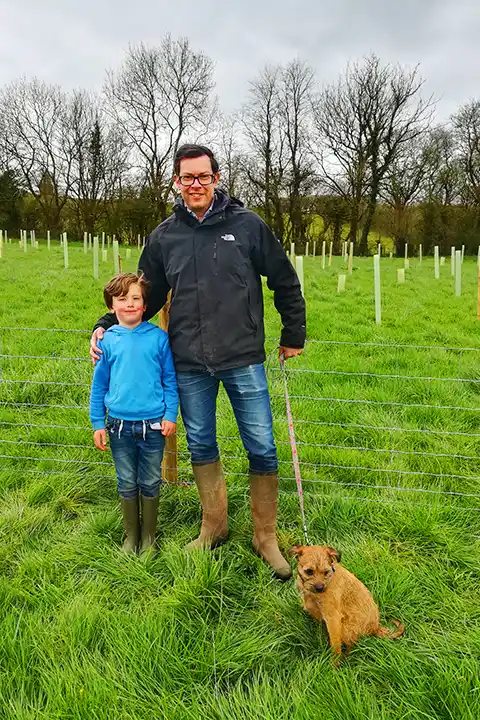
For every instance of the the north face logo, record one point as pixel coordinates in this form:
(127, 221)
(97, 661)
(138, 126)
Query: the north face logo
(228, 238)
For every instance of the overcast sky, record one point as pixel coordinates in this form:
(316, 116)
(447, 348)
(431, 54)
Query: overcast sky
(73, 42)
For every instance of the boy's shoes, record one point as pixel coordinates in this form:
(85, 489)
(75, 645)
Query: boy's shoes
(149, 522)
(131, 524)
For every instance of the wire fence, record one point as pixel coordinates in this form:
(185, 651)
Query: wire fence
(374, 423)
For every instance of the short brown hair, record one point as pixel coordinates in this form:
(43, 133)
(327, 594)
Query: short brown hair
(193, 151)
(120, 285)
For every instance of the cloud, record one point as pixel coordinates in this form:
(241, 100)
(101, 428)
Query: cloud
(73, 44)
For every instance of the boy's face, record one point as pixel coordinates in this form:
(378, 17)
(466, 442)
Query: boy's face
(129, 308)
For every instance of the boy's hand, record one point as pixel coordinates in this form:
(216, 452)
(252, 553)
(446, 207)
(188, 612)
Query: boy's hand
(100, 439)
(95, 351)
(168, 428)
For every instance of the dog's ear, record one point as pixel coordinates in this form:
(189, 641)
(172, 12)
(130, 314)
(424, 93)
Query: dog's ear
(334, 554)
(296, 551)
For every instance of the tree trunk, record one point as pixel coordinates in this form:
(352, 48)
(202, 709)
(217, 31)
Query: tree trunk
(337, 235)
(372, 203)
(354, 222)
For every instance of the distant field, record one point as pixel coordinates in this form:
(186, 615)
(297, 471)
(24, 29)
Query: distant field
(388, 437)
(374, 237)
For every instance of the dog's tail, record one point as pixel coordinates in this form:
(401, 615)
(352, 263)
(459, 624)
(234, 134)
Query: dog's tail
(386, 633)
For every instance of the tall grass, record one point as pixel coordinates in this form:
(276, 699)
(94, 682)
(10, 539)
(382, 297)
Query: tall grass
(89, 633)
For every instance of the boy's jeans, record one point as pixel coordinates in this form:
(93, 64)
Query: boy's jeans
(137, 452)
(247, 390)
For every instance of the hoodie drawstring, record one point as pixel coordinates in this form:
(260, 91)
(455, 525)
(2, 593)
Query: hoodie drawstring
(144, 429)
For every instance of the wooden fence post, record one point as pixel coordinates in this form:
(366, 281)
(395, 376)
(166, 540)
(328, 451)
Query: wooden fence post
(170, 456)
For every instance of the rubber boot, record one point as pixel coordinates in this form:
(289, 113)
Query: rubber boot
(210, 482)
(149, 522)
(263, 501)
(131, 524)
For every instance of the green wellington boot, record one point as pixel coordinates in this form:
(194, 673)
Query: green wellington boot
(149, 522)
(131, 524)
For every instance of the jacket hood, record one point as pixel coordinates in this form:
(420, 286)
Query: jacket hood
(141, 329)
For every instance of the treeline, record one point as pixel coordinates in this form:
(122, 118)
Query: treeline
(360, 158)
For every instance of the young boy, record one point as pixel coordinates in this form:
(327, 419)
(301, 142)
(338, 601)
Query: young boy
(135, 383)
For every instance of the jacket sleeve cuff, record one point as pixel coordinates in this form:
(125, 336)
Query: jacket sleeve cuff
(170, 416)
(98, 424)
(292, 341)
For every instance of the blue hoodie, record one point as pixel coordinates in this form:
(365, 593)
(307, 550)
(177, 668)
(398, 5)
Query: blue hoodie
(135, 376)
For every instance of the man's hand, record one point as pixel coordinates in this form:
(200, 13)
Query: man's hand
(168, 428)
(100, 439)
(288, 352)
(95, 351)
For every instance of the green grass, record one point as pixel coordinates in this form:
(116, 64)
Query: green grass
(89, 633)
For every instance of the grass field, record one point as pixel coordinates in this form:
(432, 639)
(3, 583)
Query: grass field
(88, 633)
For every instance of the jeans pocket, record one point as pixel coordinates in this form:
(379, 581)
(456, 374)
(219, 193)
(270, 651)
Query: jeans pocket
(111, 424)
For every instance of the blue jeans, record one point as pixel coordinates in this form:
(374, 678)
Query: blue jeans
(247, 390)
(137, 452)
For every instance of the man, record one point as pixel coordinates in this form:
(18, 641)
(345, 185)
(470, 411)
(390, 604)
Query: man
(212, 253)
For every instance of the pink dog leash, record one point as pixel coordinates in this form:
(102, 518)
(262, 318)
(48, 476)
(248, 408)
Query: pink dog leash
(293, 446)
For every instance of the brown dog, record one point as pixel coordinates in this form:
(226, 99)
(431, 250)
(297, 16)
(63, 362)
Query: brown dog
(331, 593)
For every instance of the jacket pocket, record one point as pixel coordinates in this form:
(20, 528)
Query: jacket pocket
(251, 317)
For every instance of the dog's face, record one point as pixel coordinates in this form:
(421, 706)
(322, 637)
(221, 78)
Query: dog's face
(315, 565)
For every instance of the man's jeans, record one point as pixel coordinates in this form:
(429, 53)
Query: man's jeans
(137, 452)
(247, 390)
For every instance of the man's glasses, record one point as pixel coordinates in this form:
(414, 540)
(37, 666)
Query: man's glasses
(203, 179)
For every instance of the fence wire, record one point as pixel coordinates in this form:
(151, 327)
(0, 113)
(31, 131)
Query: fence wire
(74, 331)
(356, 427)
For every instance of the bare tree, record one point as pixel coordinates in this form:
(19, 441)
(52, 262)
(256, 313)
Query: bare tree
(232, 158)
(265, 166)
(466, 126)
(403, 186)
(341, 148)
(99, 159)
(444, 185)
(157, 95)
(398, 116)
(444, 177)
(276, 121)
(295, 104)
(362, 124)
(35, 139)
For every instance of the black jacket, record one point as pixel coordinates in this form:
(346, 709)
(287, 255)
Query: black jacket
(213, 268)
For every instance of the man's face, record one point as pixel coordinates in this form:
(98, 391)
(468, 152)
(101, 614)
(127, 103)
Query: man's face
(197, 197)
